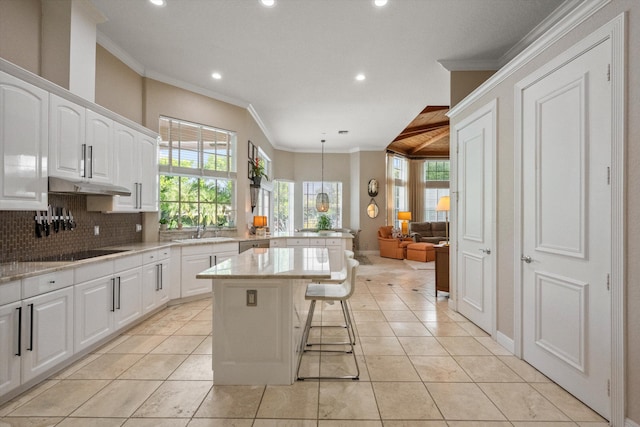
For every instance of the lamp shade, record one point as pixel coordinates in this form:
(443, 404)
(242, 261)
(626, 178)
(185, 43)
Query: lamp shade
(259, 221)
(443, 204)
(322, 202)
(404, 216)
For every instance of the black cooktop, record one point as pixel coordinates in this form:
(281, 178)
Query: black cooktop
(76, 256)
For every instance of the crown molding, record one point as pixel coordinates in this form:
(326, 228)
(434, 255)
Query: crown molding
(119, 53)
(260, 124)
(539, 30)
(470, 64)
(583, 11)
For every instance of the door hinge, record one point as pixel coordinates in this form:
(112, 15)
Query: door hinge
(608, 175)
(608, 282)
(608, 387)
(608, 72)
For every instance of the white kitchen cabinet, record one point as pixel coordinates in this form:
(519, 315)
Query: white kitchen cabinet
(10, 319)
(99, 148)
(108, 296)
(155, 279)
(198, 258)
(93, 314)
(148, 168)
(23, 145)
(66, 138)
(47, 332)
(135, 168)
(128, 300)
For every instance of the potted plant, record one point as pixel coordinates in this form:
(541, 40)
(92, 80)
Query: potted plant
(164, 222)
(324, 222)
(258, 171)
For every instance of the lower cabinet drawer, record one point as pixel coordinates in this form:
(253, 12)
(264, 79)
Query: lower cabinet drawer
(43, 283)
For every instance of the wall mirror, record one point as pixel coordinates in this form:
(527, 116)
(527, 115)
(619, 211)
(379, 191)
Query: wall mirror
(372, 188)
(372, 209)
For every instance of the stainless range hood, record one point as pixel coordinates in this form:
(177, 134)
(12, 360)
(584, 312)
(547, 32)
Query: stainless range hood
(59, 185)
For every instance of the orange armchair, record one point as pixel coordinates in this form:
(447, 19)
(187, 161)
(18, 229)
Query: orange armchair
(391, 247)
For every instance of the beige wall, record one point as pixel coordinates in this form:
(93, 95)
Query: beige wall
(165, 100)
(465, 82)
(118, 87)
(372, 165)
(20, 22)
(504, 93)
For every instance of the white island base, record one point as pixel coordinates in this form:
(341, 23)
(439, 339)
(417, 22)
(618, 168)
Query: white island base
(259, 312)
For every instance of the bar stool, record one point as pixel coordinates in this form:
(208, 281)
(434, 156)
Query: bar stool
(332, 292)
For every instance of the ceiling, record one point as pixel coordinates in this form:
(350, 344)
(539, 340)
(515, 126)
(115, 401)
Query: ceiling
(294, 65)
(426, 136)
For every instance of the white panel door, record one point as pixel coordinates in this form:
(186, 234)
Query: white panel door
(129, 297)
(48, 335)
(10, 319)
(99, 136)
(148, 170)
(66, 136)
(475, 284)
(566, 226)
(127, 166)
(94, 307)
(24, 134)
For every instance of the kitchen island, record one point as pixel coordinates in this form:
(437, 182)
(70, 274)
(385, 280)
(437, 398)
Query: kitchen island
(259, 312)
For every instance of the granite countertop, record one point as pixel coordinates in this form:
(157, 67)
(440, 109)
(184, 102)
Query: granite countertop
(273, 263)
(19, 270)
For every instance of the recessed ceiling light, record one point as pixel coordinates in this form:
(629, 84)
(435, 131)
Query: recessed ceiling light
(268, 3)
(216, 75)
(158, 2)
(380, 3)
(360, 77)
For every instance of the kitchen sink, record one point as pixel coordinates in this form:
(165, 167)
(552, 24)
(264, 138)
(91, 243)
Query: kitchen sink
(76, 256)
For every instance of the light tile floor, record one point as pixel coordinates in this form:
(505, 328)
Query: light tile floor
(422, 365)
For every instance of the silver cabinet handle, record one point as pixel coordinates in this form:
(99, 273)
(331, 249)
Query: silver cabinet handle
(486, 251)
(526, 259)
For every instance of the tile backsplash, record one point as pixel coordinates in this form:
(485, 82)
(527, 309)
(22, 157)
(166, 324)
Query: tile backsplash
(18, 241)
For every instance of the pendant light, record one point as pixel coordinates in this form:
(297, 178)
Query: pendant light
(322, 199)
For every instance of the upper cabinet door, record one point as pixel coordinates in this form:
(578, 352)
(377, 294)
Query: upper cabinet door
(23, 145)
(148, 165)
(99, 155)
(127, 167)
(66, 139)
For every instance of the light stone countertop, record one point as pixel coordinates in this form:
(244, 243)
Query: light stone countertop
(273, 263)
(19, 270)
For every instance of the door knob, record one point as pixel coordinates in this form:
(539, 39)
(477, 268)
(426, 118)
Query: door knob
(486, 251)
(526, 259)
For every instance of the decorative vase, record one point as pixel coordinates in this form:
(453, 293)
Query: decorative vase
(257, 180)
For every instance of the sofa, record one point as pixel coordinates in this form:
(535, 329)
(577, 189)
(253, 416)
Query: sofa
(428, 232)
(392, 247)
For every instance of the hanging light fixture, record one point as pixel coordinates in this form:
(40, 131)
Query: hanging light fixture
(322, 199)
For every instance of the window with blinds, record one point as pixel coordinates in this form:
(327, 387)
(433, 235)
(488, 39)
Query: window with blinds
(197, 165)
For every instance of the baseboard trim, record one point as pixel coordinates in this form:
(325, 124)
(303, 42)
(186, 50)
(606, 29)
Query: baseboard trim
(505, 342)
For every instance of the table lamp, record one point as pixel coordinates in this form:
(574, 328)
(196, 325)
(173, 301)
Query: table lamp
(444, 204)
(404, 217)
(259, 222)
